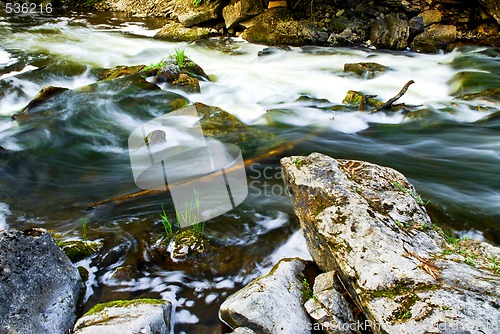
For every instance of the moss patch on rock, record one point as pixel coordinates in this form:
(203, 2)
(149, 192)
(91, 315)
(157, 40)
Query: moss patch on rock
(123, 303)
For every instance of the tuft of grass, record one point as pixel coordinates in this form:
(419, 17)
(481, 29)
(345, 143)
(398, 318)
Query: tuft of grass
(167, 225)
(470, 262)
(298, 163)
(84, 228)
(495, 265)
(180, 57)
(415, 196)
(158, 65)
(306, 290)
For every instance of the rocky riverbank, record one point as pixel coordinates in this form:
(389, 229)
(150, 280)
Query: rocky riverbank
(387, 267)
(424, 26)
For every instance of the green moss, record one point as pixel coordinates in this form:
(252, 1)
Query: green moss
(77, 250)
(403, 312)
(124, 303)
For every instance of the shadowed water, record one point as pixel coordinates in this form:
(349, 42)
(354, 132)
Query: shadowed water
(53, 167)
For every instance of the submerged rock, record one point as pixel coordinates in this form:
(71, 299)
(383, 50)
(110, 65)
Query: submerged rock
(149, 316)
(485, 94)
(39, 286)
(367, 223)
(120, 71)
(272, 303)
(44, 95)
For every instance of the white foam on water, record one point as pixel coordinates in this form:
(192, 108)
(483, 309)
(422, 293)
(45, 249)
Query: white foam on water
(4, 212)
(14, 73)
(4, 57)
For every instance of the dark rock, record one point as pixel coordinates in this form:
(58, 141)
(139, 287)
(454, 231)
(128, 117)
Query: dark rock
(44, 95)
(272, 303)
(434, 38)
(390, 32)
(367, 70)
(368, 224)
(39, 286)
(277, 26)
(416, 26)
(240, 10)
(493, 8)
(168, 73)
(127, 316)
(197, 255)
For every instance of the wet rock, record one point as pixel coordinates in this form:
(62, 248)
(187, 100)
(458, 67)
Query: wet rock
(354, 98)
(125, 273)
(120, 71)
(240, 10)
(135, 7)
(434, 38)
(491, 94)
(368, 224)
(199, 256)
(44, 95)
(176, 32)
(431, 16)
(367, 70)
(329, 307)
(77, 250)
(150, 316)
(354, 34)
(390, 31)
(189, 14)
(270, 304)
(187, 84)
(40, 287)
(277, 26)
(168, 73)
(416, 26)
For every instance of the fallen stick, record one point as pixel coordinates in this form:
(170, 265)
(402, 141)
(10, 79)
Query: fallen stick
(391, 101)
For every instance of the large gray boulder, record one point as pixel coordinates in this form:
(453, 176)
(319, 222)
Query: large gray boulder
(368, 224)
(146, 316)
(270, 304)
(39, 286)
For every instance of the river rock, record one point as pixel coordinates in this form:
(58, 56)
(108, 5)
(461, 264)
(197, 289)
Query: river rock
(190, 14)
(44, 95)
(77, 250)
(176, 32)
(120, 71)
(148, 316)
(390, 31)
(270, 304)
(240, 10)
(243, 330)
(435, 37)
(367, 70)
(139, 8)
(277, 26)
(486, 94)
(329, 307)
(39, 286)
(368, 224)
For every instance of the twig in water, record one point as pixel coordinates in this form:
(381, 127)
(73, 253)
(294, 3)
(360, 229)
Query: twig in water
(391, 101)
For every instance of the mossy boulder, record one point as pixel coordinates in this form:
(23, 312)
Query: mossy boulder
(485, 94)
(355, 98)
(120, 71)
(127, 316)
(187, 83)
(434, 38)
(77, 250)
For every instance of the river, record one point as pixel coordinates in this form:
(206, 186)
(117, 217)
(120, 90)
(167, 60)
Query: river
(52, 169)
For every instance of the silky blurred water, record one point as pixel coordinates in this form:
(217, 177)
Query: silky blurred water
(51, 169)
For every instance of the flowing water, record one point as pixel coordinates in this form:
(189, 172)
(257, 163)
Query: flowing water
(52, 168)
